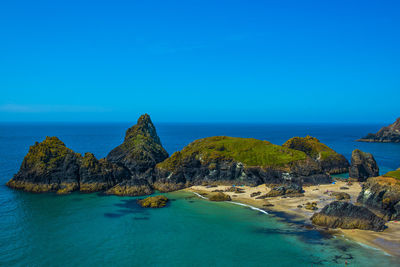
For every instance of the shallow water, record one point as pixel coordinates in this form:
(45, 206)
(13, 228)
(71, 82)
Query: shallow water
(92, 229)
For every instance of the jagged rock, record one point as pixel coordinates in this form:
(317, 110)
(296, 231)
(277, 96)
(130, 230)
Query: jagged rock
(218, 196)
(387, 134)
(98, 175)
(132, 187)
(382, 195)
(329, 160)
(231, 160)
(48, 166)
(345, 215)
(153, 202)
(141, 149)
(291, 189)
(363, 165)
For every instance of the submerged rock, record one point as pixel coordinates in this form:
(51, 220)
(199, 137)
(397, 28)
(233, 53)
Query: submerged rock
(141, 149)
(382, 194)
(153, 202)
(347, 216)
(329, 160)
(243, 161)
(132, 187)
(363, 165)
(387, 134)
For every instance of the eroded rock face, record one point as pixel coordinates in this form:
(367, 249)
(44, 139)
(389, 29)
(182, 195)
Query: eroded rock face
(329, 160)
(382, 194)
(387, 134)
(363, 165)
(230, 160)
(48, 166)
(132, 187)
(345, 215)
(98, 175)
(141, 149)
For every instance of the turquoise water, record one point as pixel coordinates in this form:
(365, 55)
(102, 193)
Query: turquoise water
(90, 229)
(98, 230)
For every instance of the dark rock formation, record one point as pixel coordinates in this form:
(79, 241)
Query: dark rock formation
(141, 149)
(382, 195)
(48, 166)
(387, 134)
(98, 175)
(341, 196)
(363, 165)
(153, 202)
(230, 160)
(345, 215)
(132, 187)
(291, 189)
(329, 160)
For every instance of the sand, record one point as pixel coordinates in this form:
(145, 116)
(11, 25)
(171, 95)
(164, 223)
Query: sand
(388, 240)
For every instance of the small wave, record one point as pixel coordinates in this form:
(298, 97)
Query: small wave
(249, 206)
(236, 203)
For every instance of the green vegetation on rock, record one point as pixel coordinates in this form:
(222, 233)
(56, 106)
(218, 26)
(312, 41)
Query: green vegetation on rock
(311, 146)
(393, 174)
(153, 202)
(249, 151)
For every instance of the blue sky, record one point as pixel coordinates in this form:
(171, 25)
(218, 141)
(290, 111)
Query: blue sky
(200, 61)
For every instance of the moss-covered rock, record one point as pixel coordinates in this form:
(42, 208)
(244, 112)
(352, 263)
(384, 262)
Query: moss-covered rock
(345, 215)
(218, 196)
(48, 166)
(341, 196)
(153, 202)
(329, 160)
(233, 160)
(141, 149)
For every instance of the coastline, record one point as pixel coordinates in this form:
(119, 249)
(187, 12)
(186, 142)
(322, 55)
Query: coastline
(388, 241)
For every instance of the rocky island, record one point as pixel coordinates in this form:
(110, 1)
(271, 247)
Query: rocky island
(388, 134)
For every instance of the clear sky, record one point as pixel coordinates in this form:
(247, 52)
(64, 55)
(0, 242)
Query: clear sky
(200, 61)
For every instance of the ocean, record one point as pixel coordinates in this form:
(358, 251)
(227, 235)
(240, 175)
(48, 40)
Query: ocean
(97, 230)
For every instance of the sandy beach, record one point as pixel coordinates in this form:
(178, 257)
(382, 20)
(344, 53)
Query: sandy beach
(388, 240)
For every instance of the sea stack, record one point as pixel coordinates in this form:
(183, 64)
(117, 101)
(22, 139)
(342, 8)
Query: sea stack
(388, 134)
(363, 165)
(329, 160)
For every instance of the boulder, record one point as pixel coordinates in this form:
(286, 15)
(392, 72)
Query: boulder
(345, 215)
(218, 196)
(363, 165)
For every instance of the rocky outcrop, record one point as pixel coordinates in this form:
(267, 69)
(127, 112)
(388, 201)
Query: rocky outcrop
(98, 175)
(363, 165)
(218, 196)
(345, 215)
(132, 187)
(329, 160)
(153, 202)
(51, 166)
(230, 160)
(48, 166)
(141, 149)
(388, 134)
(288, 190)
(382, 195)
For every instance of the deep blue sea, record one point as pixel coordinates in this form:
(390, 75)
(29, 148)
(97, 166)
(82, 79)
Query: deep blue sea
(96, 230)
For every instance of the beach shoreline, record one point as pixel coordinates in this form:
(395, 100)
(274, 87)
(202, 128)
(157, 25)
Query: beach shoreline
(387, 241)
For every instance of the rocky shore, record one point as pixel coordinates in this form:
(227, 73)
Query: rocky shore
(388, 134)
